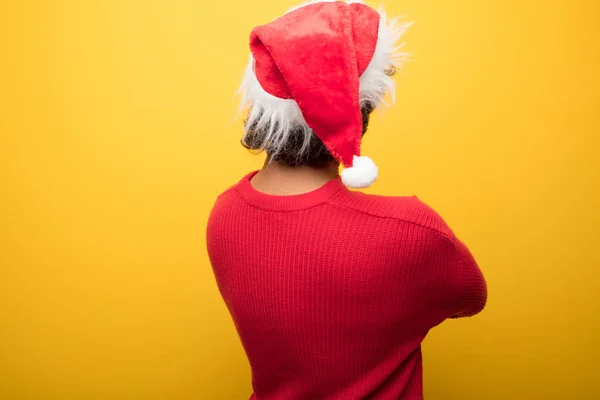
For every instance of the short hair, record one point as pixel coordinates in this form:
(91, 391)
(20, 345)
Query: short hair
(299, 149)
(301, 145)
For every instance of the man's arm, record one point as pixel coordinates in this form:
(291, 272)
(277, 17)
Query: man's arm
(471, 294)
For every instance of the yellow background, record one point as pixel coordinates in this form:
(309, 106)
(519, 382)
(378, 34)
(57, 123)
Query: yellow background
(117, 135)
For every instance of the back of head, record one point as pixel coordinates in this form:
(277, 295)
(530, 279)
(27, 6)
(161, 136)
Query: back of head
(314, 77)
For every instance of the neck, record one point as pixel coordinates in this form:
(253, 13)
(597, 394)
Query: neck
(281, 179)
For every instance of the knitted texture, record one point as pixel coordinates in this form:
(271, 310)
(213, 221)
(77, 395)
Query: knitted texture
(333, 291)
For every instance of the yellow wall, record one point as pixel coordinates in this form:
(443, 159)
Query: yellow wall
(116, 136)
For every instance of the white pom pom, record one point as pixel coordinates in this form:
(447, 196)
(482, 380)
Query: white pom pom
(362, 174)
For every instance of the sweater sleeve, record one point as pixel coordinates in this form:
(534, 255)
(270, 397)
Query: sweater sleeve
(471, 295)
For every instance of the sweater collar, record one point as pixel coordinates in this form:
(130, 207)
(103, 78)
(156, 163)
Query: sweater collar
(287, 202)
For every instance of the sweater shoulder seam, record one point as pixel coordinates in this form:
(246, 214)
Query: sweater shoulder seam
(439, 232)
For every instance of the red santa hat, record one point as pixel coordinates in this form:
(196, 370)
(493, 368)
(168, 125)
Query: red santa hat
(312, 69)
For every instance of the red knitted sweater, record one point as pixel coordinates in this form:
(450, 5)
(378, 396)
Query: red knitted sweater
(333, 291)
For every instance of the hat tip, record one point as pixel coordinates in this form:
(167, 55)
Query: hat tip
(363, 173)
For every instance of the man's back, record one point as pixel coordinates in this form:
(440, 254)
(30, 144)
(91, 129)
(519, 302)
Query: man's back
(333, 291)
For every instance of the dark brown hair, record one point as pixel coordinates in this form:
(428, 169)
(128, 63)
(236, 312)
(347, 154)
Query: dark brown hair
(295, 152)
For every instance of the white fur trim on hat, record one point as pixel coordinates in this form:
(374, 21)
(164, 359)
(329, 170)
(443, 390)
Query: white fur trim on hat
(363, 173)
(280, 117)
